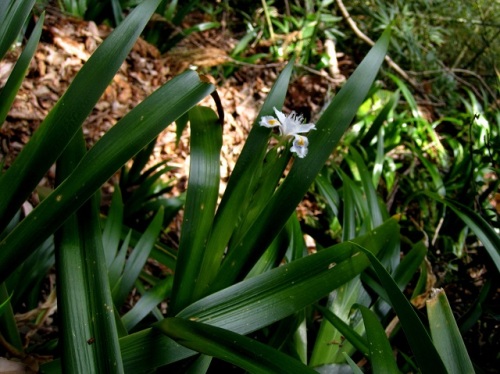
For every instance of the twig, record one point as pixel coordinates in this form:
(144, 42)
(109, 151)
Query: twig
(367, 40)
(454, 72)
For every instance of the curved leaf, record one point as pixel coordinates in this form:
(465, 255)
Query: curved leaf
(261, 300)
(117, 146)
(13, 14)
(426, 354)
(67, 116)
(322, 142)
(9, 90)
(239, 350)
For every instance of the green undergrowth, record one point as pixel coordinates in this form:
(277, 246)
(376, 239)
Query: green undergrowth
(250, 283)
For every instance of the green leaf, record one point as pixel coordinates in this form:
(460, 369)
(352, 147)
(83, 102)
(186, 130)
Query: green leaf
(89, 335)
(240, 183)
(117, 146)
(404, 273)
(426, 354)
(102, 315)
(146, 303)
(381, 356)
(239, 350)
(322, 142)
(378, 122)
(351, 335)
(262, 300)
(329, 193)
(5, 302)
(9, 90)
(113, 227)
(67, 116)
(8, 326)
(355, 368)
(138, 258)
(446, 335)
(437, 181)
(201, 200)
(480, 227)
(369, 189)
(13, 15)
(115, 269)
(72, 287)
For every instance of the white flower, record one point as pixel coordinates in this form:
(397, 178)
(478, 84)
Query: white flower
(289, 126)
(299, 145)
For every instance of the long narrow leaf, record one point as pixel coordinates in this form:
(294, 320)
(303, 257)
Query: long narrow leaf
(480, 227)
(261, 300)
(369, 189)
(244, 352)
(117, 146)
(104, 338)
(138, 258)
(85, 302)
(201, 199)
(9, 90)
(379, 120)
(67, 116)
(113, 227)
(13, 14)
(346, 330)
(8, 325)
(146, 303)
(381, 356)
(446, 335)
(242, 178)
(72, 300)
(322, 142)
(426, 354)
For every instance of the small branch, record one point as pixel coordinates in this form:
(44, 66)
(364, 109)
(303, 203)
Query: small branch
(367, 40)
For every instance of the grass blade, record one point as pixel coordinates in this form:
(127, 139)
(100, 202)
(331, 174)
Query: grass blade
(146, 303)
(376, 214)
(480, 227)
(104, 338)
(113, 227)
(72, 299)
(84, 295)
(378, 122)
(8, 326)
(355, 369)
(352, 336)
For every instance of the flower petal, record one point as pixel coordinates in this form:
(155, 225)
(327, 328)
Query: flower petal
(281, 116)
(299, 145)
(269, 121)
(297, 128)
